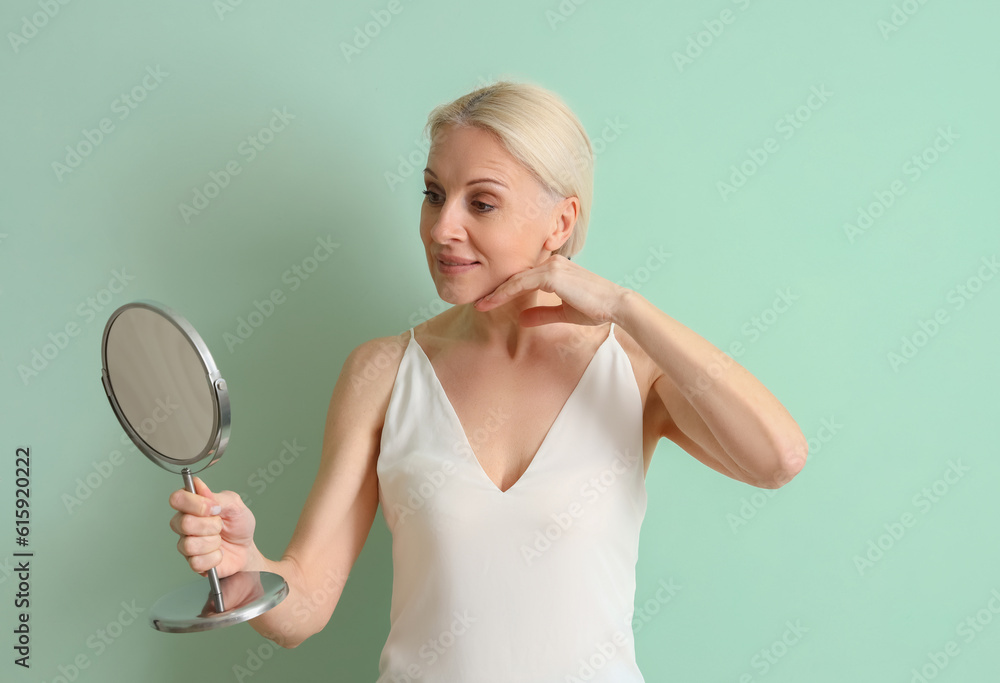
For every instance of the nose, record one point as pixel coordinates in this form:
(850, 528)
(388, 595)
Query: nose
(447, 223)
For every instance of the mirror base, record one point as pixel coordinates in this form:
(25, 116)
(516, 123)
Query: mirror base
(191, 608)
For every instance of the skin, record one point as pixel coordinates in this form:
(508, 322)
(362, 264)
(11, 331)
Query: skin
(485, 359)
(523, 327)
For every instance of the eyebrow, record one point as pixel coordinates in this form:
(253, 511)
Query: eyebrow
(493, 181)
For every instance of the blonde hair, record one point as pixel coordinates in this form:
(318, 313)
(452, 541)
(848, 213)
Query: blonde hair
(537, 128)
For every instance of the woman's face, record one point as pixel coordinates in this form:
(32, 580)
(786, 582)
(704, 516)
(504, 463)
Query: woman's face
(484, 217)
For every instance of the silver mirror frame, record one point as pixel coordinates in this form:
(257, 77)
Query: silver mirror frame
(221, 424)
(192, 608)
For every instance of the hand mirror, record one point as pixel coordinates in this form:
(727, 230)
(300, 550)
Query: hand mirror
(172, 402)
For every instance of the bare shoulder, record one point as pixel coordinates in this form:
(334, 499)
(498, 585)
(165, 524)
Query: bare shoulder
(370, 369)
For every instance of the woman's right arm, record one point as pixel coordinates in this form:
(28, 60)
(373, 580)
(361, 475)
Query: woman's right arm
(337, 515)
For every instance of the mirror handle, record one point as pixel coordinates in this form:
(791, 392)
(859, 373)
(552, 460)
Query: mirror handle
(213, 578)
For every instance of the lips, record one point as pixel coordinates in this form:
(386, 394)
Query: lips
(455, 261)
(455, 265)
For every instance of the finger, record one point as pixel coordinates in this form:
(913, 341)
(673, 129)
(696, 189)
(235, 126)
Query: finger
(202, 502)
(191, 525)
(192, 546)
(229, 500)
(193, 504)
(514, 286)
(201, 488)
(202, 563)
(487, 302)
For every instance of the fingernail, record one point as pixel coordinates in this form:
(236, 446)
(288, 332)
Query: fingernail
(216, 509)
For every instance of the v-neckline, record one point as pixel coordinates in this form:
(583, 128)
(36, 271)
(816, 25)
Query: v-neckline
(545, 439)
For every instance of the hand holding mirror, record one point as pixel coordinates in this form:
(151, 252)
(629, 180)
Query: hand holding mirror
(170, 399)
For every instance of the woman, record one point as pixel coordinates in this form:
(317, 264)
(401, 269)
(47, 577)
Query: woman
(507, 438)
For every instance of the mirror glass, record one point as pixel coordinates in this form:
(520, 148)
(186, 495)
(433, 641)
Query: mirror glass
(161, 385)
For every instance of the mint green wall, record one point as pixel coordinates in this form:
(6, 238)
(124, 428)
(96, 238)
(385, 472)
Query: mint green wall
(888, 102)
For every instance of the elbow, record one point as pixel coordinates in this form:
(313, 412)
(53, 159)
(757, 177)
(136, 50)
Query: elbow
(287, 634)
(790, 463)
(288, 639)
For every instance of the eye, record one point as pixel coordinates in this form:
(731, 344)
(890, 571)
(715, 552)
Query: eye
(434, 199)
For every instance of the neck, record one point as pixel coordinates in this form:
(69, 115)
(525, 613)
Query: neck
(499, 328)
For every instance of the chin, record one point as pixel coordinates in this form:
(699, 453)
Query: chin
(450, 296)
(459, 295)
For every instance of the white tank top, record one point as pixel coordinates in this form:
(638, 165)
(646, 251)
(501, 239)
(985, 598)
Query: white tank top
(535, 584)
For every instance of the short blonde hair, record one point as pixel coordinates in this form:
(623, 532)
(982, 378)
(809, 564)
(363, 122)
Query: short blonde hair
(537, 128)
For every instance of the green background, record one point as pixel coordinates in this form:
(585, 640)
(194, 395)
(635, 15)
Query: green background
(881, 433)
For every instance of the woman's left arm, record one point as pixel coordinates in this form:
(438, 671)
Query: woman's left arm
(718, 412)
(755, 438)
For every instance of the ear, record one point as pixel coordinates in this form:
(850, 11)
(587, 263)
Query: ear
(563, 219)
